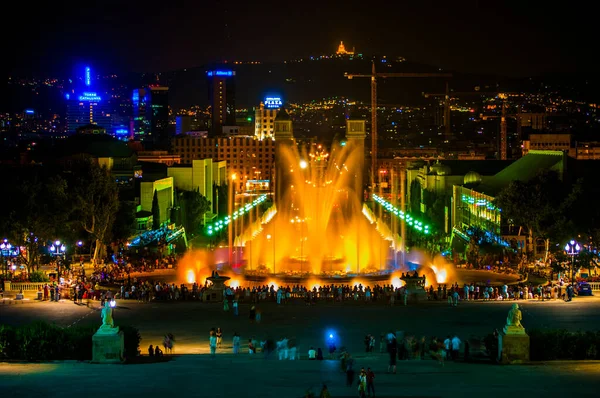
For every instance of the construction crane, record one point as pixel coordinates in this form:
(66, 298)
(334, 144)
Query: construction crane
(373, 76)
(447, 95)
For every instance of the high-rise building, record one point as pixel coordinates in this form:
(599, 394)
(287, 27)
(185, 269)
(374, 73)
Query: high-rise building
(151, 116)
(264, 117)
(85, 106)
(221, 93)
(249, 158)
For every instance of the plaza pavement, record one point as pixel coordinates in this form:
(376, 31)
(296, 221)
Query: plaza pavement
(242, 376)
(348, 321)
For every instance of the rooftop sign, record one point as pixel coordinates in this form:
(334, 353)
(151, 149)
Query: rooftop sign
(273, 102)
(220, 73)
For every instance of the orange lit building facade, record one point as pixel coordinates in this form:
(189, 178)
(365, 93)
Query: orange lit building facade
(249, 158)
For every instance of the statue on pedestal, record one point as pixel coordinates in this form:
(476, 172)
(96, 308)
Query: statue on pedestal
(108, 324)
(513, 321)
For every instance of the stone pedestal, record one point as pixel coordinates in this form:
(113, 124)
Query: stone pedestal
(415, 287)
(214, 293)
(513, 346)
(108, 347)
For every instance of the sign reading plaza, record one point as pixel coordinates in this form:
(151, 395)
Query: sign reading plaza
(273, 102)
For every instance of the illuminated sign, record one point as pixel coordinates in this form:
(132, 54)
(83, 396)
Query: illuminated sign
(29, 111)
(68, 96)
(91, 97)
(273, 102)
(136, 96)
(220, 73)
(121, 131)
(88, 76)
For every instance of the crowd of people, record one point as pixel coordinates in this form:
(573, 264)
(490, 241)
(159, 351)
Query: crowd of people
(522, 291)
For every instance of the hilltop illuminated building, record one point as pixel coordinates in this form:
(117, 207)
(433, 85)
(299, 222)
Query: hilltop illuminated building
(221, 92)
(151, 116)
(85, 106)
(264, 117)
(342, 50)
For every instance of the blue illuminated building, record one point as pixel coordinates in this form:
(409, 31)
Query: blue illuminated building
(85, 106)
(221, 93)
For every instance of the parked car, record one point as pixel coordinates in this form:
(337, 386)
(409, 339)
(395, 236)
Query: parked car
(584, 289)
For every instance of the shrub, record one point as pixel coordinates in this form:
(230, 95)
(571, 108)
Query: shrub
(7, 340)
(38, 276)
(132, 339)
(491, 346)
(547, 345)
(79, 340)
(41, 341)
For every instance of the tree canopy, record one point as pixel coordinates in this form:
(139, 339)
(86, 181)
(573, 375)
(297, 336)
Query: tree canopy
(541, 206)
(94, 197)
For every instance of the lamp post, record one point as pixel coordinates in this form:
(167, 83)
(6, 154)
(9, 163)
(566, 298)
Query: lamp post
(59, 250)
(5, 248)
(572, 249)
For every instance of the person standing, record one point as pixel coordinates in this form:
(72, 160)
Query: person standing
(235, 307)
(225, 305)
(393, 351)
(370, 382)
(448, 346)
(349, 370)
(219, 336)
(236, 343)
(293, 350)
(362, 383)
(455, 347)
(212, 342)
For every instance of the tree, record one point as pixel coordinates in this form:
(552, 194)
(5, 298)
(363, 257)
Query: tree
(155, 211)
(540, 206)
(95, 199)
(193, 207)
(34, 210)
(123, 226)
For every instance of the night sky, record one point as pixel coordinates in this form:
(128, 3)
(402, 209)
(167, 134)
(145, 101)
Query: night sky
(512, 38)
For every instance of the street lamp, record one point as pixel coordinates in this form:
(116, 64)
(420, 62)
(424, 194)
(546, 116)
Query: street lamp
(59, 250)
(572, 249)
(5, 247)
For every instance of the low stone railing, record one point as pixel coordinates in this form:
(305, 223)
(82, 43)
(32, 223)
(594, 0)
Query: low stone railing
(23, 286)
(595, 286)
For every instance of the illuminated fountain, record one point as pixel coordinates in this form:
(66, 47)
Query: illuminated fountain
(318, 228)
